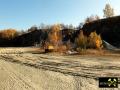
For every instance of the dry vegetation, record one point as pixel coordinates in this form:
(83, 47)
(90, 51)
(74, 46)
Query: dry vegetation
(93, 41)
(54, 42)
(55, 37)
(83, 44)
(8, 33)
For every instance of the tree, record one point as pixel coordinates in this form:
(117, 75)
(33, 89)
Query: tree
(8, 33)
(81, 40)
(62, 26)
(92, 18)
(80, 26)
(70, 26)
(21, 32)
(42, 26)
(94, 40)
(33, 28)
(55, 36)
(108, 11)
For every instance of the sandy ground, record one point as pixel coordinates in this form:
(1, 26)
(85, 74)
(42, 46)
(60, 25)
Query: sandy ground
(21, 70)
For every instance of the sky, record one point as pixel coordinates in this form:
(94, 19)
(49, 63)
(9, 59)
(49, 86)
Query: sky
(22, 14)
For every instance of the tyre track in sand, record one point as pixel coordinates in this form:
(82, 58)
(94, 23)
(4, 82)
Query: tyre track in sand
(13, 79)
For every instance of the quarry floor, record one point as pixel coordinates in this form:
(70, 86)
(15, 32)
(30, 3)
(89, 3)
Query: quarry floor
(23, 70)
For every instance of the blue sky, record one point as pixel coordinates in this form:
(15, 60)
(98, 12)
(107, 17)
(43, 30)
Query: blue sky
(22, 14)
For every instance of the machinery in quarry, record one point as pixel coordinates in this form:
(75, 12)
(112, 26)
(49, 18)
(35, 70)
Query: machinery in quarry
(49, 48)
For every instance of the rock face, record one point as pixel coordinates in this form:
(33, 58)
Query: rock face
(109, 29)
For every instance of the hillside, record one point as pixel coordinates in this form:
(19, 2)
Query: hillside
(109, 29)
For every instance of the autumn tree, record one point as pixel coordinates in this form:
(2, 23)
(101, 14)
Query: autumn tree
(8, 33)
(108, 11)
(94, 40)
(81, 40)
(55, 35)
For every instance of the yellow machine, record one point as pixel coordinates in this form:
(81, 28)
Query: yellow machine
(49, 48)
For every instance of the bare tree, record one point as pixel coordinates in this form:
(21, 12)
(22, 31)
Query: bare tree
(108, 11)
(92, 18)
(80, 26)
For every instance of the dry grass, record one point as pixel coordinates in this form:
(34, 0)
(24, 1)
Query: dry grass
(101, 52)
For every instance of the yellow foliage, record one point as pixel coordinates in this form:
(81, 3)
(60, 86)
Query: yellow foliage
(81, 41)
(95, 40)
(8, 33)
(54, 35)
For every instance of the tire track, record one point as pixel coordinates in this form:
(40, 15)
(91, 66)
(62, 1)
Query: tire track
(16, 79)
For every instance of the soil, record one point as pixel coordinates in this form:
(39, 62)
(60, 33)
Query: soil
(22, 70)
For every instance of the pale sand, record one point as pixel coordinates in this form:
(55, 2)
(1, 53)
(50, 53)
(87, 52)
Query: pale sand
(28, 71)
